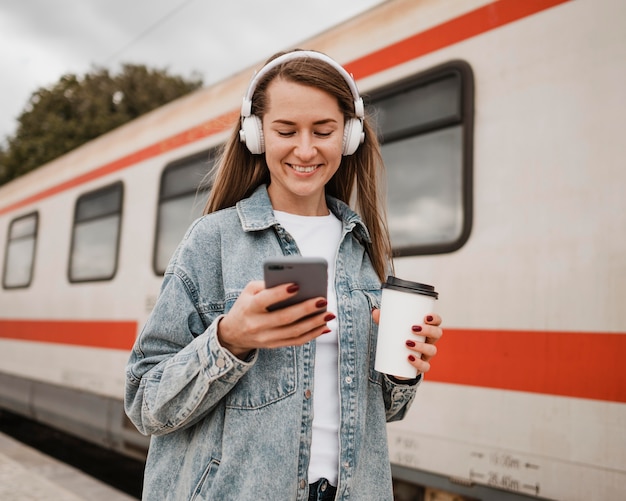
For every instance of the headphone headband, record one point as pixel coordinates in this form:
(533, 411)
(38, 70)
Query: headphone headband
(246, 107)
(251, 131)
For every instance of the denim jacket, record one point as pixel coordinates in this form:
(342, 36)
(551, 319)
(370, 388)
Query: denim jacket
(228, 429)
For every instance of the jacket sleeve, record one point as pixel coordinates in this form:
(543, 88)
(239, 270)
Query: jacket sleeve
(398, 396)
(178, 371)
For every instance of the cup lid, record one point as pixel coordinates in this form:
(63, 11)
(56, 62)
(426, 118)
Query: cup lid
(408, 286)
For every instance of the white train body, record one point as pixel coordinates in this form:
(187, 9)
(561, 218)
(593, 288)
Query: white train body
(527, 249)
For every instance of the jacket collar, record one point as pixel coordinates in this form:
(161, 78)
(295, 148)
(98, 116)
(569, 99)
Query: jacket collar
(256, 213)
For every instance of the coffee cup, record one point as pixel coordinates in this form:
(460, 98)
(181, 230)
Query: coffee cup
(403, 305)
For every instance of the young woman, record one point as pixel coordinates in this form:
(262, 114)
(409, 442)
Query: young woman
(244, 403)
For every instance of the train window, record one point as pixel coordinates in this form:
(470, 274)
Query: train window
(96, 234)
(425, 125)
(19, 257)
(182, 197)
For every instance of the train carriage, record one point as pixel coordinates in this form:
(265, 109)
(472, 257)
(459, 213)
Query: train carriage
(501, 129)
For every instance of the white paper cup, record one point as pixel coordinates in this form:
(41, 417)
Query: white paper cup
(403, 305)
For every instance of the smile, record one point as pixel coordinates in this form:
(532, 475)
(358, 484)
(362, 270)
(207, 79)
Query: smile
(305, 169)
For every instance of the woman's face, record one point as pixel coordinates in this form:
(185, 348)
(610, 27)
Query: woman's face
(303, 131)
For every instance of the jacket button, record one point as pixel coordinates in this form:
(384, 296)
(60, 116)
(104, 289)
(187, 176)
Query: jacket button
(307, 394)
(220, 362)
(302, 484)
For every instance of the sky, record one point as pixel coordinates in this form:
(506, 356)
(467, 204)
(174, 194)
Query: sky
(42, 40)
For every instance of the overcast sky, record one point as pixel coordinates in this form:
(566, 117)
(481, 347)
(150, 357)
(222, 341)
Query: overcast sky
(41, 40)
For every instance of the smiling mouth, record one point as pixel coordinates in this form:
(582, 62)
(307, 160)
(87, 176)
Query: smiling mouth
(304, 169)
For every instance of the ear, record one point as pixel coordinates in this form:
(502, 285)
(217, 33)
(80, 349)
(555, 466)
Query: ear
(353, 136)
(251, 134)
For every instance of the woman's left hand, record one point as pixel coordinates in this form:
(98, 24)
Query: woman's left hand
(423, 351)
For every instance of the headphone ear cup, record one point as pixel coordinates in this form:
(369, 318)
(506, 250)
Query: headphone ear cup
(353, 136)
(251, 134)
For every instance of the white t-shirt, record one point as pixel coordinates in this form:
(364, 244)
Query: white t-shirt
(319, 236)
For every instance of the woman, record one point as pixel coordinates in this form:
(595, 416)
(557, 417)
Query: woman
(243, 403)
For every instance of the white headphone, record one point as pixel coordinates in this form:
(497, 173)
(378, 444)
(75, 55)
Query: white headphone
(251, 132)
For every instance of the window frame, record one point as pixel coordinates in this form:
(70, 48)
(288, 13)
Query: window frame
(35, 236)
(208, 156)
(120, 213)
(463, 70)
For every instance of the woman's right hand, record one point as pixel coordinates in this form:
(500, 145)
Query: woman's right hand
(249, 325)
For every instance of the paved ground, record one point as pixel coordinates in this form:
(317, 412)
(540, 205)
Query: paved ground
(28, 475)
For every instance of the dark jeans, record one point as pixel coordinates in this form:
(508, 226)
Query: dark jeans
(322, 491)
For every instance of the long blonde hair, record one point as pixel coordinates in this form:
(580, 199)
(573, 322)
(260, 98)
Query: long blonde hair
(238, 172)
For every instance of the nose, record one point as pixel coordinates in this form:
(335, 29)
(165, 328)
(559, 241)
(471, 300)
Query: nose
(305, 147)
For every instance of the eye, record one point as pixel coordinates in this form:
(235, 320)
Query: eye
(324, 132)
(285, 133)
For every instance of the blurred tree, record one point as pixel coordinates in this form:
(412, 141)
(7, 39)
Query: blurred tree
(76, 110)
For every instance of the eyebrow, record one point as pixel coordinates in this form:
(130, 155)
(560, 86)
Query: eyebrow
(318, 122)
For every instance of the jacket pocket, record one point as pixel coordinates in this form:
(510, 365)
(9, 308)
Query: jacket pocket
(272, 378)
(201, 490)
(373, 298)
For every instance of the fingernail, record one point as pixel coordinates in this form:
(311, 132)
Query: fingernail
(429, 318)
(293, 288)
(321, 303)
(410, 343)
(416, 328)
(329, 317)
(325, 331)
(411, 358)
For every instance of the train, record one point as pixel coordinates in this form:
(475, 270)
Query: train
(501, 129)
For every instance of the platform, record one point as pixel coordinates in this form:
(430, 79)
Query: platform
(27, 474)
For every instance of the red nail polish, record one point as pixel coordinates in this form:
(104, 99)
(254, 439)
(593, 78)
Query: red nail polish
(429, 318)
(416, 328)
(410, 343)
(411, 358)
(329, 317)
(321, 303)
(293, 288)
(325, 331)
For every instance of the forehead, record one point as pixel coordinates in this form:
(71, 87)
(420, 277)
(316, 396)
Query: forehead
(285, 96)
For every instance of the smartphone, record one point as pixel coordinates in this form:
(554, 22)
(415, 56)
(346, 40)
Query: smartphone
(311, 274)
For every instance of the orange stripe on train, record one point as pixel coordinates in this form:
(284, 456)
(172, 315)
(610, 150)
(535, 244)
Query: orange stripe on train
(116, 335)
(570, 364)
(474, 23)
